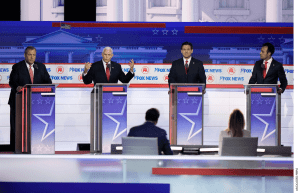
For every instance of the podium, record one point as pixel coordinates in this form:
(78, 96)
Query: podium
(186, 114)
(263, 113)
(108, 116)
(35, 119)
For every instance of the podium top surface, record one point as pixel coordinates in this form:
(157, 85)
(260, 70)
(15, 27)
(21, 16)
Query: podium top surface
(260, 85)
(30, 85)
(111, 84)
(187, 84)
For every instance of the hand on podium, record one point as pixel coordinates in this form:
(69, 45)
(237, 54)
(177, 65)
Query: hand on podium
(279, 91)
(19, 88)
(203, 91)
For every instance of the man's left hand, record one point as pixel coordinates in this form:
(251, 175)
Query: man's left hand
(131, 65)
(279, 91)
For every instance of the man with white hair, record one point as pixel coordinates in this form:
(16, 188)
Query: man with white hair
(106, 71)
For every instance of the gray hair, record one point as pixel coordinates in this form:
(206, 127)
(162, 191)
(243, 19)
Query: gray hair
(108, 48)
(29, 48)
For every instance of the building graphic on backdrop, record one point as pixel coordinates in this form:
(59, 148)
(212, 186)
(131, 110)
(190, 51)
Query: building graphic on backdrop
(169, 10)
(64, 47)
(248, 55)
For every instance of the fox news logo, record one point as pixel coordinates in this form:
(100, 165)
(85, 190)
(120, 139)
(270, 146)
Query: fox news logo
(210, 78)
(4, 69)
(288, 71)
(231, 70)
(244, 70)
(145, 70)
(166, 78)
(59, 69)
(213, 70)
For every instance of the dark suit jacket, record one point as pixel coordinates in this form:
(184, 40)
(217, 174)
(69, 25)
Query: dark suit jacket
(97, 74)
(196, 72)
(19, 76)
(275, 71)
(148, 129)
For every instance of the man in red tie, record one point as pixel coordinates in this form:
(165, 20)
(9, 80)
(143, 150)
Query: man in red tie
(187, 69)
(267, 70)
(106, 71)
(27, 71)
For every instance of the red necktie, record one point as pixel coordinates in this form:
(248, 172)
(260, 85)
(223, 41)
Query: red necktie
(107, 72)
(31, 74)
(186, 66)
(265, 69)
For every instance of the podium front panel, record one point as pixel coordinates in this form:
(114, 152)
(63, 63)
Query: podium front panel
(263, 115)
(42, 120)
(114, 116)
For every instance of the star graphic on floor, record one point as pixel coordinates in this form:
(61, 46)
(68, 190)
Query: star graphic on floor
(155, 32)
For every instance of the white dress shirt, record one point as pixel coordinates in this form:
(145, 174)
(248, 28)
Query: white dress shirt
(189, 60)
(28, 67)
(269, 64)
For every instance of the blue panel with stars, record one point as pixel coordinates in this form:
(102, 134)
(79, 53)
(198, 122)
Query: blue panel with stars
(189, 118)
(114, 118)
(263, 118)
(42, 122)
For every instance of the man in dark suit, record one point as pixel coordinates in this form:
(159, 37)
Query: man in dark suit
(187, 69)
(106, 71)
(267, 70)
(149, 129)
(25, 72)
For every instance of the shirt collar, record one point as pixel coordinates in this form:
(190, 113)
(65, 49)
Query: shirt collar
(189, 60)
(105, 62)
(28, 64)
(269, 61)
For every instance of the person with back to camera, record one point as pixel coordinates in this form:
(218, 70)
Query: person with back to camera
(235, 128)
(149, 129)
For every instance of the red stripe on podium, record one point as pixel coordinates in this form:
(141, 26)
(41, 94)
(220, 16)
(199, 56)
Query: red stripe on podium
(113, 89)
(41, 90)
(222, 172)
(123, 25)
(237, 30)
(187, 89)
(263, 90)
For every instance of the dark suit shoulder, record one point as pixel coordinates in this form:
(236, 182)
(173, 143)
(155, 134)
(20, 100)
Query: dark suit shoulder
(16, 65)
(180, 60)
(196, 60)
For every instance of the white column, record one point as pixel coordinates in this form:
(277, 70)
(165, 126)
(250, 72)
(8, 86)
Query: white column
(273, 10)
(114, 10)
(190, 11)
(70, 58)
(92, 57)
(30, 10)
(47, 56)
(128, 10)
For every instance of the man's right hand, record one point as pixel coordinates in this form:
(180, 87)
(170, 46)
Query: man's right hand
(87, 66)
(19, 88)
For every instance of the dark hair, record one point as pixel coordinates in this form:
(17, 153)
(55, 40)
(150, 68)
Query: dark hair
(187, 43)
(236, 123)
(152, 115)
(29, 48)
(270, 48)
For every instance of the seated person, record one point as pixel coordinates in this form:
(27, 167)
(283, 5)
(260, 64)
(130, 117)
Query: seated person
(235, 127)
(149, 129)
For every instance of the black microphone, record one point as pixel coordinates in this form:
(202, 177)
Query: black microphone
(35, 66)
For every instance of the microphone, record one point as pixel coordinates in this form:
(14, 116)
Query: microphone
(35, 66)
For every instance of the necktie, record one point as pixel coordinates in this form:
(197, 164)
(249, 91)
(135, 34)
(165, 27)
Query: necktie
(265, 69)
(186, 66)
(31, 73)
(107, 72)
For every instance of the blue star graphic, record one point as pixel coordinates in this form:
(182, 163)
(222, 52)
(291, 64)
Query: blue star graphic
(39, 101)
(47, 101)
(261, 39)
(174, 31)
(110, 100)
(268, 101)
(99, 38)
(271, 39)
(259, 101)
(103, 100)
(119, 100)
(258, 116)
(165, 32)
(178, 101)
(155, 32)
(109, 115)
(194, 100)
(32, 101)
(38, 116)
(252, 102)
(191, 135)
(185, 100)
(281, 39)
